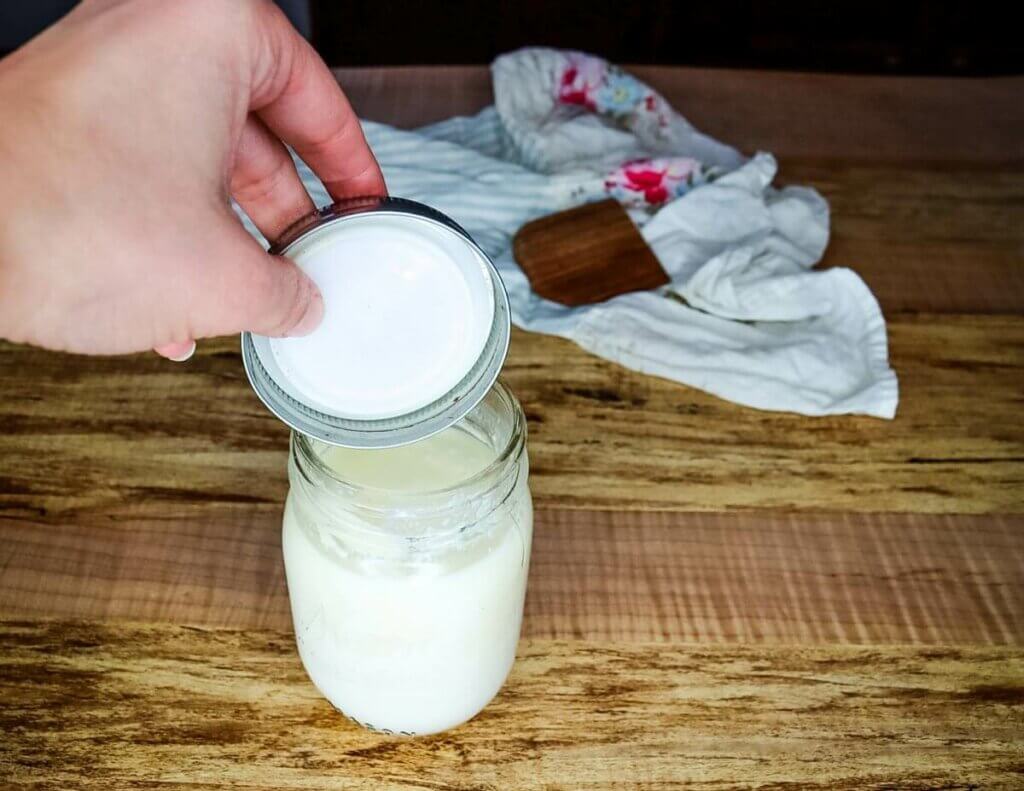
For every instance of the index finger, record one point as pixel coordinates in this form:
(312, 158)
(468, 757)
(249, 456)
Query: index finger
(298, 98)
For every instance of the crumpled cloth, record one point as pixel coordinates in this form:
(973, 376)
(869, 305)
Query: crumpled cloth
(745, 318)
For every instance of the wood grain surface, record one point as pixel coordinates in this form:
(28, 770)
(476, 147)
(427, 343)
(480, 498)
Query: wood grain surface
(718, 596)
(945, 237)
(136, 436)
(780, 579)
(175, 708)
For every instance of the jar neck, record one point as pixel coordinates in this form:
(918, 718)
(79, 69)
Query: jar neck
(428, 518)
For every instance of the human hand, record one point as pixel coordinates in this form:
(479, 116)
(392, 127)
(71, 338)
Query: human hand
(126, 126)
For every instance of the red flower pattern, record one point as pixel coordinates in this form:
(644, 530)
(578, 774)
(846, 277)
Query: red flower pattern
(647, 181)
(652, 182)
(571, 93)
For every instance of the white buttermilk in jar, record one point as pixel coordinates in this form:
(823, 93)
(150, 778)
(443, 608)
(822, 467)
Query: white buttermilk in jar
(407, 568)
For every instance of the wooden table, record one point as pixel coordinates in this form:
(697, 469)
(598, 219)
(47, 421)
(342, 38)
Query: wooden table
(719, 596)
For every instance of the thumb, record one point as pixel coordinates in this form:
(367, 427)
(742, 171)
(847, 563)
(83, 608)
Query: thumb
(279, 299)
(258, 292)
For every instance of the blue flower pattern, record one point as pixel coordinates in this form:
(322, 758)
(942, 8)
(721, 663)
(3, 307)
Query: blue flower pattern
(620, 94)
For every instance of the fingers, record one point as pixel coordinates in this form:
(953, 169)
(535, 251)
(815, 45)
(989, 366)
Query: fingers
(300, 101)
(265, 183)
(242, 288)
(177, 352)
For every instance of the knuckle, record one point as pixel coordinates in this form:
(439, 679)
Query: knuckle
(292, 303)
(257, 180)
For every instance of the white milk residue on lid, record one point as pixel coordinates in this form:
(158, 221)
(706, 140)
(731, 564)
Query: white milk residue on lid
(408, 306)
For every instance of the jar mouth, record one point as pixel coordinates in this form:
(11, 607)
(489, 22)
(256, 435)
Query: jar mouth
(306, 457)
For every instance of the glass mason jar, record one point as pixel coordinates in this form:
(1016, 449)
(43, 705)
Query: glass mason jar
(407, 568)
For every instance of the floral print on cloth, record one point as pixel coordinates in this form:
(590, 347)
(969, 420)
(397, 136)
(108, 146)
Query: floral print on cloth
(603, 88)
(649, 183)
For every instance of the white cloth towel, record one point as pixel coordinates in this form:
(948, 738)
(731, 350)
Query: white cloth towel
(744, 317)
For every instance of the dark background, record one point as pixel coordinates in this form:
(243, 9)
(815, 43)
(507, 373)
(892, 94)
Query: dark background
(913, 37)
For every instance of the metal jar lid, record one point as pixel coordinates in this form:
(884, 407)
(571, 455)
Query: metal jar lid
(279, 392)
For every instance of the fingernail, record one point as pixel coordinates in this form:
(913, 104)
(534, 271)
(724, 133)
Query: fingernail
(180, 358)
(311, 318)
(177, 352)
